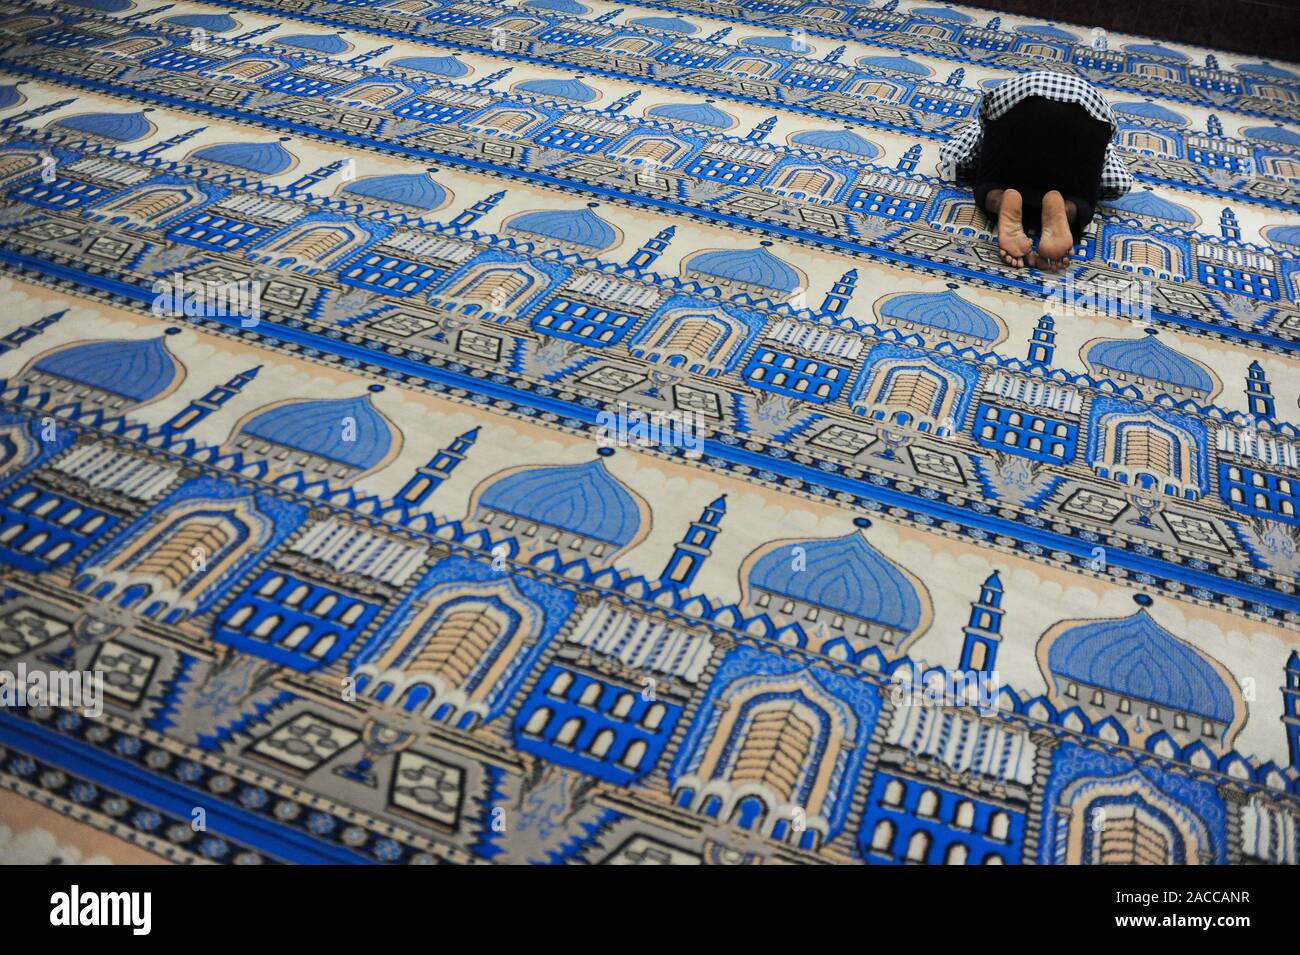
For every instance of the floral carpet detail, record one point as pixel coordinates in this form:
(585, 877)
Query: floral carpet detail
(571, 432)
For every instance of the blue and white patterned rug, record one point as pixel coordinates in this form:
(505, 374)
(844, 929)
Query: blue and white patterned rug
(562, 431)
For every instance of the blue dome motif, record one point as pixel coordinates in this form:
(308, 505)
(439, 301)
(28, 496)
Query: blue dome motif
(1048, 32)
(122, 127)
(1151, 111)
(844, 574)
(1143, 202)
(786, 44)
(1154, 49)
(675, 24)
(1268, 69)
(582, 227)
(9, 95)
(330, 43)
(1283, 235)
(695, 114)
(842, 141)
(583, 499)
(1137, 658)
(417, 190)
(212, 22)
(939, 13)
(573, 90)
(437, 65)
(103, 6)
(559, 6)
(747, 267)
(138, 370)
(316, 428)
(899, 64)
(946, 311)
(1147, 357)
(268, 159)
(1274, 134)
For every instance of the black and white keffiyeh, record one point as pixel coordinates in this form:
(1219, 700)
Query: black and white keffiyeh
(958, 156)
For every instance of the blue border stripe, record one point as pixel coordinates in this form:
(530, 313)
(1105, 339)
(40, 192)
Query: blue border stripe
(881, 38)
(170, 796)
(1115, 556)
(852, 249)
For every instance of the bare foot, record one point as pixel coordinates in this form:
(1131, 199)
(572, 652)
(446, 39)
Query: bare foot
(1013, 244)
(1056, 243)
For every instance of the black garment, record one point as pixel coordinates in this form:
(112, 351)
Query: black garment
(1039, 145)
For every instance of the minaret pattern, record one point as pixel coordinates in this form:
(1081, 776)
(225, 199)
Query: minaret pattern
(200, 408)
(979, 652)
(427, 478)
(695, 547)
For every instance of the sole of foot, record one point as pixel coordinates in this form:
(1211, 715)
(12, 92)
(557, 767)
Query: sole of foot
(1013, 244)
(1056, 243)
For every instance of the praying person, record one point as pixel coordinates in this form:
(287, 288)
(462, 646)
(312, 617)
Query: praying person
(1039, 158)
